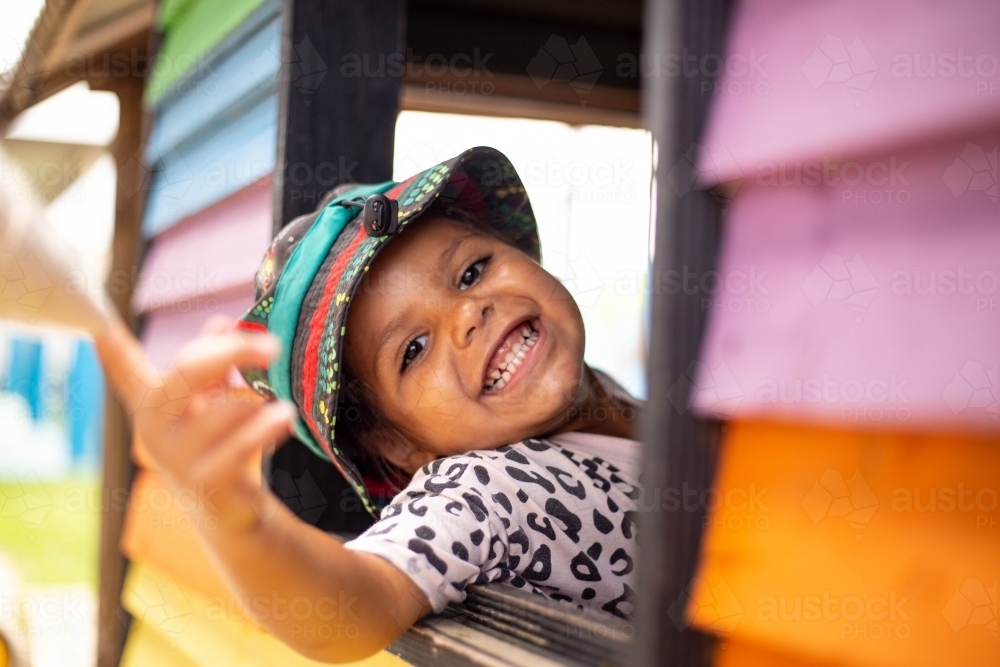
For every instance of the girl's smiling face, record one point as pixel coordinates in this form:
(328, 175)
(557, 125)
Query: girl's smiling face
(465, 340)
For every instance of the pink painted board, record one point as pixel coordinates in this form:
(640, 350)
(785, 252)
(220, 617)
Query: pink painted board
(214, 250)
(807, 80)
(168, 329)
(860, 305)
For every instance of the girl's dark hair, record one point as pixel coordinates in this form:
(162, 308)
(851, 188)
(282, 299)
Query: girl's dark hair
(365, 434)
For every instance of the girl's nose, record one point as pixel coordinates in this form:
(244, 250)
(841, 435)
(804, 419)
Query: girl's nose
(470, 317)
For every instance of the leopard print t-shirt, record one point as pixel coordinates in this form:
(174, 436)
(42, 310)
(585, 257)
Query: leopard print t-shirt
(540, 515)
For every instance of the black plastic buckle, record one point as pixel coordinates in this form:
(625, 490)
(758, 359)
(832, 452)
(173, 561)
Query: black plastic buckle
(379, 214)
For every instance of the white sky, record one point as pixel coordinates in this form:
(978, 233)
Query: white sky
(76, 115)
(16, 19)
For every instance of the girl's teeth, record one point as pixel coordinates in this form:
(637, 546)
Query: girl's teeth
(501, 376)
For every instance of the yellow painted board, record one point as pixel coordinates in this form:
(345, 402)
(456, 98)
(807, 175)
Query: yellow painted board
(145, 647)
(210, 632)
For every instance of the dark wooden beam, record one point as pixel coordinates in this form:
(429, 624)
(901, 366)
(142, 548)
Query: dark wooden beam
(337, 108)
(680, 449)
(336, 124)
(117, 468)
(501, 37)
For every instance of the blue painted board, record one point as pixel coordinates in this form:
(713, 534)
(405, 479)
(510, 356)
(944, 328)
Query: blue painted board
(198, 174)
(85, 407)
(229, 84)
(24, 373)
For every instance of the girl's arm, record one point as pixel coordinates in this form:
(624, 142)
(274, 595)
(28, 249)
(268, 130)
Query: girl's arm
(325, 601)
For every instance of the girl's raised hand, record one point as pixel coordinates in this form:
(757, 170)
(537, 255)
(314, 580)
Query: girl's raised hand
(196, 429)
(208, 438)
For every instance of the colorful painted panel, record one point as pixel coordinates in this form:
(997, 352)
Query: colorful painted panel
(167, 330)
(863, 304)
(208, 632)
(852, 548)
(862, 77)
(195, 28)
(222, 87)
(215, 250)
(239, 152)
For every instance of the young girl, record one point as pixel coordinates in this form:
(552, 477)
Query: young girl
(426, 348)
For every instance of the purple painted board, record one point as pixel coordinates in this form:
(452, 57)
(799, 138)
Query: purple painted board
(860, 306)
(215, 250)
(803, 80)
(167, 330)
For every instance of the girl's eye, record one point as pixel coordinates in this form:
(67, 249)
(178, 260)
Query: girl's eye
(413, 350)
(471, 275)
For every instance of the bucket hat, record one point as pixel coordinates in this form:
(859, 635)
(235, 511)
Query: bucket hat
(316, 263)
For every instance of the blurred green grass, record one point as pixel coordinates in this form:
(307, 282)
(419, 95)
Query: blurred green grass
(50, 529)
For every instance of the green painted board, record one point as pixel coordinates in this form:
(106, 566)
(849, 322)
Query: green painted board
(193, 28)
(169, 11)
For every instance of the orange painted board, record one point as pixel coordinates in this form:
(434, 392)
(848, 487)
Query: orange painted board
(859, 548)
(158, 531)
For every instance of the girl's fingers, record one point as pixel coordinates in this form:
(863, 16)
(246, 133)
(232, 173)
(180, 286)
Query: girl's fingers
(209, 359)
(270, 425)
(217, 324)
(209, 429)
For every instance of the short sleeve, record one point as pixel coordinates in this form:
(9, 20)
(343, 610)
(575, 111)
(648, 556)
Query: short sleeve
(441, 531)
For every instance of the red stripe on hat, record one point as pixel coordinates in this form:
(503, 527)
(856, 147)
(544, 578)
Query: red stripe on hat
(254, 327)
(316, 326)
(396, 190)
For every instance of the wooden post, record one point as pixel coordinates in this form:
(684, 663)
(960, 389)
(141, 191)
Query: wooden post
(117, 468)
(336, 124)
(337, 100)
(680, 450)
